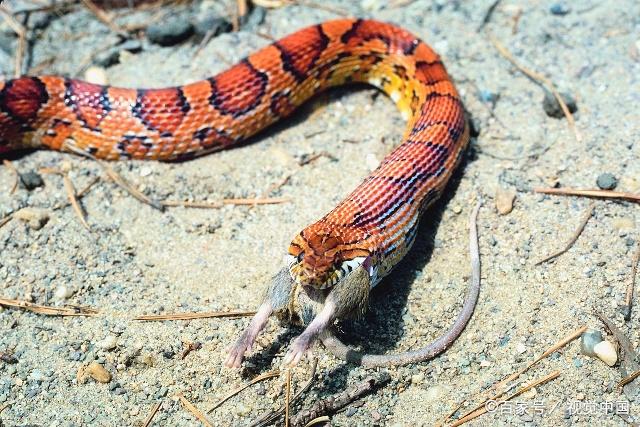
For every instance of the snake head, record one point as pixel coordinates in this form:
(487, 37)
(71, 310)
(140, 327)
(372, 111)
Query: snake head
(320, 256)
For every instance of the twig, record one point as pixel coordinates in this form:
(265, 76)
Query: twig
(48, 310)
(257, 379)
(323, 419)
(269, 417)
(629, 360)
(16, 174)
(338, 401)
(119, 180)
(239, 13)
(103, 17)
(271, 4)
(628, 379)
(500, 387)
(541, 80)
(22, 39)
(5, 220)
(80, 194)
(257, 201)
(195, 411)
(287, 399)
(219, 204)
(154, 410)
(488, 14)
(553, 375)
(73, 199)
(573, 239)
(602, 194)
(192, 346)
(628, 298)
(190, 316)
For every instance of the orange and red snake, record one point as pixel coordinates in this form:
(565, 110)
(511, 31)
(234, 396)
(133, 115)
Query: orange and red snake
(373, 227)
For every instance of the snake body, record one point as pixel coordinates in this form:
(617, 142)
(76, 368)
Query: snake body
(374, 226)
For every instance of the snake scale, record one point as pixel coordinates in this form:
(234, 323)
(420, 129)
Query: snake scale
(331, 264)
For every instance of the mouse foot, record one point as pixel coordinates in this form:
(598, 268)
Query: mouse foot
(300, 347)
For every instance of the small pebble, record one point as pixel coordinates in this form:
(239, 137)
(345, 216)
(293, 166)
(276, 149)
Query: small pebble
(457, 209)
(504, 200)
(108, 343)
(98, 372)
(62, 293)
(242, 410)
(212, 24)
(417, 378)
(371, 161)
(350, 412)
(487, 96)
(559, 9)
(552, 107)
(96, 75)
(606, 181)
(171, 31)
(606, 352)
(35, 218)
(521, 348)
(588, 341)
(31, 180)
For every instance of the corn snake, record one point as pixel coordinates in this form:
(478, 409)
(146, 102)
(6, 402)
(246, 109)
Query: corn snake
(372, 229)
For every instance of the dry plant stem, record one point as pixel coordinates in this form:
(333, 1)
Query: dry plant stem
(50, 311)
(340, 400)
(119, 180)
(190, 316)
(602, 194)
(573, 239)
(73, 200)
(79, 195)
(320, 420)
(22, 39)
(488, 14)
(195, 411)
(630, 356)
(103, 17)
(269, 417)
(5, 220)
(287, 399)
(553, 375)
(16, 175)
(437, 346)
(628, 379)
(154, 410)
(256, 380)
(219, 204)
(271, 4)
(540, 79)
(128, 188)
(628, 298)
(501, 386)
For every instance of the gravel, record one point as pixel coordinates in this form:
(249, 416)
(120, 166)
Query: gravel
(607, 181)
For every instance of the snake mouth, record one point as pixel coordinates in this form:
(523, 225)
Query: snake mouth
(323, 278)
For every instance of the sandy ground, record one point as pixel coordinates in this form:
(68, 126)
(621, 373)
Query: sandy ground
(138, 260)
